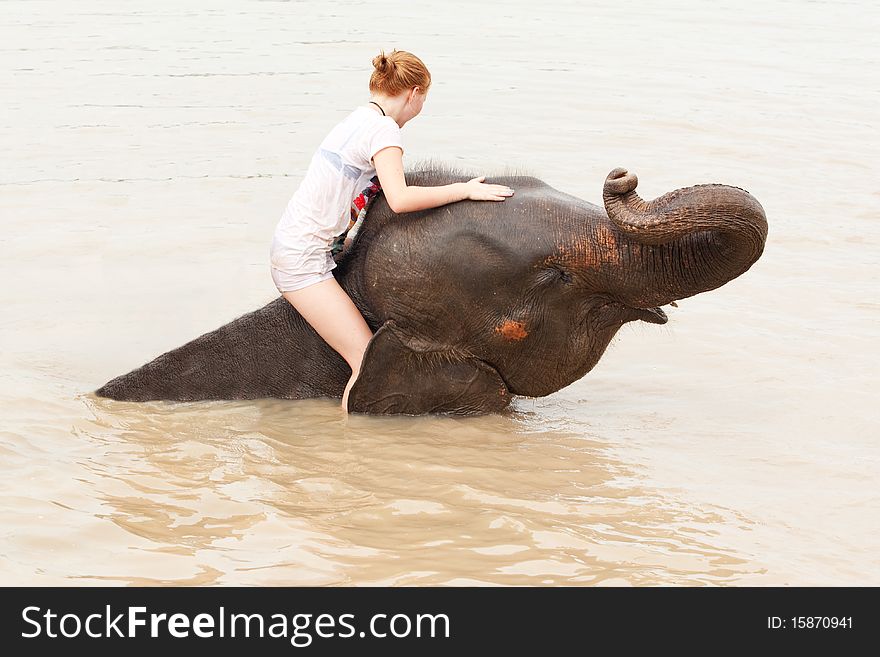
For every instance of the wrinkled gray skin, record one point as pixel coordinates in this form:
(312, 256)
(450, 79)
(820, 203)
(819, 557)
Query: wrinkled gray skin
(474, 302)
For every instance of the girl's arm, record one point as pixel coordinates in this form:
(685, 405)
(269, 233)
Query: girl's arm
(409, 198)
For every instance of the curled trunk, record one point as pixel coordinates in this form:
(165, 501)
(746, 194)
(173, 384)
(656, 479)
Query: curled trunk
(685, 242)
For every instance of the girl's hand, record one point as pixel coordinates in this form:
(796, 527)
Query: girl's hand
(480, 191)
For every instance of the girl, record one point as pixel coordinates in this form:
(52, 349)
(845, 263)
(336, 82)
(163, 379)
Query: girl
(360, 156)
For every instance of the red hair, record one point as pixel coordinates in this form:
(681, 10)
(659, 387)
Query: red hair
(397, 72)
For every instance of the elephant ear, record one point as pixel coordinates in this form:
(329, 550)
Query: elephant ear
(396, 378)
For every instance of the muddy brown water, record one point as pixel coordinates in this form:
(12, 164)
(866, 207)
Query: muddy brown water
(150, 149)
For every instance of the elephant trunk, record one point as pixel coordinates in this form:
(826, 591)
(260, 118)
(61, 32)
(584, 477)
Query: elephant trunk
(685, 242)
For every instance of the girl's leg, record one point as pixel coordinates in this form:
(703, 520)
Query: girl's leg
(332, 313)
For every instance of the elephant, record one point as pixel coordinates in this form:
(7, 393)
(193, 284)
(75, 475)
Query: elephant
(473, 303)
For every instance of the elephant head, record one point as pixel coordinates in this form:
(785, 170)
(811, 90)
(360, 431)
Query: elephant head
(474, 302)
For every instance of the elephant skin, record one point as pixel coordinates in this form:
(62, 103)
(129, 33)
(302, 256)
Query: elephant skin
(474, 302)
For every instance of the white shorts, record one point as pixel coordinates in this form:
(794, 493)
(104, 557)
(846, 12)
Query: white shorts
(289, 276)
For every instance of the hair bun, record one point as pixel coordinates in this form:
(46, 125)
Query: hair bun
(397, 71)
(382, 63)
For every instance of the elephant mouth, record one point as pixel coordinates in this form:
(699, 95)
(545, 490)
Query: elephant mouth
(619, 312)
(652, 315)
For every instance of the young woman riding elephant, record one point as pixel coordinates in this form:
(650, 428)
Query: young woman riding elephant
(359, 157)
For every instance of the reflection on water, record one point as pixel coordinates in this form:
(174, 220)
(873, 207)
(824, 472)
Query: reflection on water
(153, 149)
(280, 492)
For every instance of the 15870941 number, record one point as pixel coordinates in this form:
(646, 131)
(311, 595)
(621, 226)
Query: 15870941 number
(820, 622)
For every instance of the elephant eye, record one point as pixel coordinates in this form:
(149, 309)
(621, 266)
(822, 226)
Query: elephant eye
(564, 276)
(555, 274)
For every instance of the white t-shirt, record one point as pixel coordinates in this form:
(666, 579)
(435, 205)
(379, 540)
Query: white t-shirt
(320, 209)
